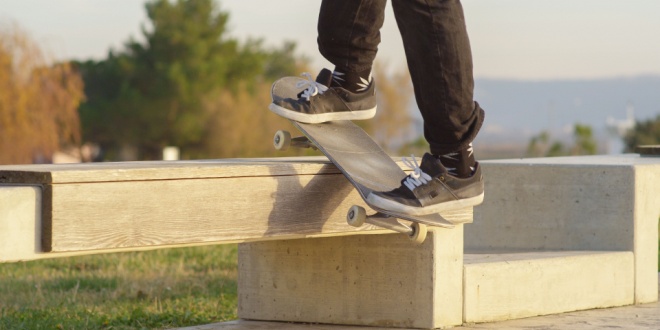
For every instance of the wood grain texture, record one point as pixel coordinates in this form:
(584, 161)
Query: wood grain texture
(166, 170)
(119, 214)
(131, 205)
(163, 170)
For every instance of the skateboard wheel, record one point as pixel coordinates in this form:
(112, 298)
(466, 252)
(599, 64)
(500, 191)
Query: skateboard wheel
(282, 140)
(356, 216)
(419, 232)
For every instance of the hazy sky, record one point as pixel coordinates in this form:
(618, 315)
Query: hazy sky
(522, 39)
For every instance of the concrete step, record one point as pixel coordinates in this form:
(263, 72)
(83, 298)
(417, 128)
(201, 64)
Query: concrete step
(636, 317)
(513, 285)
(384, 280)
(590, 203)
(500, 286)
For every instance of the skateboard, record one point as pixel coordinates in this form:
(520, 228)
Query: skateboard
(364, 163)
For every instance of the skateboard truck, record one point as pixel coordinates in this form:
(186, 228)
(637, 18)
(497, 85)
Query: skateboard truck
(357, 216)
(283, 140)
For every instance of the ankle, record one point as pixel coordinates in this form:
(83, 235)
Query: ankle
(353, 81)
(461, 163)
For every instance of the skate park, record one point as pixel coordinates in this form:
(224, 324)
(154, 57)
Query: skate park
(556, 239)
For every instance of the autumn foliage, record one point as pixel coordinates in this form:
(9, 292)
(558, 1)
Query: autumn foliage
(38, 101)
(186, 83)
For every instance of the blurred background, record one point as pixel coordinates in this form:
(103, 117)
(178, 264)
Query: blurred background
(147, 80)
(124, 80)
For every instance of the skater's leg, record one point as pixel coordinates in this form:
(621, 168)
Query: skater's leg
(349, 32)
(348, 37)
(440, 62)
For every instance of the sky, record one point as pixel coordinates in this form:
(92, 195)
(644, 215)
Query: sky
(511, 39)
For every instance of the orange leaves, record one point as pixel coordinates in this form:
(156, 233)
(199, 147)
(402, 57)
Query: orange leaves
(38, 101)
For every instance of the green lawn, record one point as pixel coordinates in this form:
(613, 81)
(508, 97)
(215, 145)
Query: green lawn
(135, 290)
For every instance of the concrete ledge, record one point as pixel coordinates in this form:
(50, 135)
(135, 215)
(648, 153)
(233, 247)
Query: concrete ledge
(508, 286)
(638, 317)
(374, 280)
(607, 207)
(20, 226)
(607, 203)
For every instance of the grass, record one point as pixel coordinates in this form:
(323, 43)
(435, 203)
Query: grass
(134, 290)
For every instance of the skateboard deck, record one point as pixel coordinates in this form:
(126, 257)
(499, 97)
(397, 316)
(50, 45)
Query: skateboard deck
(364, 163)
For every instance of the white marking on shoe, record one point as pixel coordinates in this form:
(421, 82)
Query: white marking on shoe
(417, 177)
(337, 77)
(322, 117)
(450, 156)
(364, 85)
(393, 206)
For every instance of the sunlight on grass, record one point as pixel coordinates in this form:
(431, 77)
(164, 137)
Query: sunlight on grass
(153, 289)
(134, 290)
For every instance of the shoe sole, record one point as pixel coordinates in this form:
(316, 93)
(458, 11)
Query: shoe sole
(322, 117)
(389, 205)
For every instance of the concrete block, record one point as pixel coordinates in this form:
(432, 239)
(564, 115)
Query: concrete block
(646, 217)
(517, 285)
(375, 280)
(609, 203)
(20, 222)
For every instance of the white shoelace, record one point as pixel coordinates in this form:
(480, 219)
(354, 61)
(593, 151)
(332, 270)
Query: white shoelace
(417, 177)
(311, 87)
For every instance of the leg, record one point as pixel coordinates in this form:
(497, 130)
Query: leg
(348, 37)
(440, 63)
(349, 32)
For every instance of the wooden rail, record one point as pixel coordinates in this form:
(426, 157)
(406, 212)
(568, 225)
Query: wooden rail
(89, 207)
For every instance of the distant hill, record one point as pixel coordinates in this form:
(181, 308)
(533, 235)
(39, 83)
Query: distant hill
(516, 110)
(531, 106)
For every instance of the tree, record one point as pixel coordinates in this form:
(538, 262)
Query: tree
(583, 144)
(538, 144)
(38, 101)
(162, 91)
(645, 132)
(584, 140)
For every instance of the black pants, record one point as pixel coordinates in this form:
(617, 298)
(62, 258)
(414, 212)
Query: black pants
(437, 51)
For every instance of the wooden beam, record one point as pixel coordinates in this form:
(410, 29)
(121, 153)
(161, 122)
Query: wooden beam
(104, 206)
(163, 170)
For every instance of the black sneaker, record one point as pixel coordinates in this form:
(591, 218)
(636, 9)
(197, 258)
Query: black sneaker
(319, 103)
(431, 189)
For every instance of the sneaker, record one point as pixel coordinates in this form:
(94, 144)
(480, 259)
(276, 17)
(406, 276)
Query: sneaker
(319, 103)
(430, 189)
